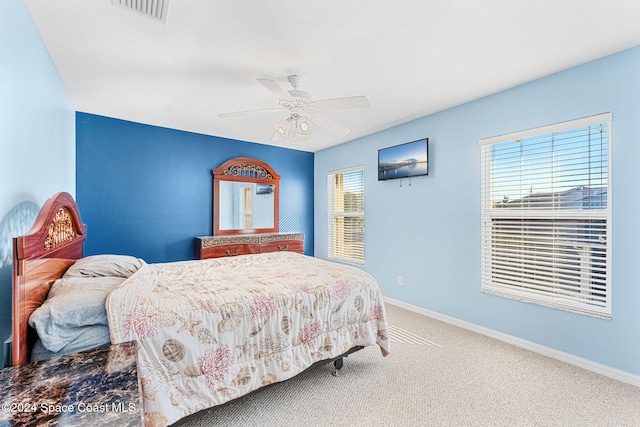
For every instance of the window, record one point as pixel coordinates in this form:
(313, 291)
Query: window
(345, 201)
(546, 214)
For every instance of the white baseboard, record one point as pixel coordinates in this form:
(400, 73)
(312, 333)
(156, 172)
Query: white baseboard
(589, 365)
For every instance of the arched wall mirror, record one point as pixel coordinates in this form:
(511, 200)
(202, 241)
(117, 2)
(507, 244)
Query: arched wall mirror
(245, 197)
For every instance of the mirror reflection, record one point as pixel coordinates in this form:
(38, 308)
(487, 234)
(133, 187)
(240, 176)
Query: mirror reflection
(246, 205)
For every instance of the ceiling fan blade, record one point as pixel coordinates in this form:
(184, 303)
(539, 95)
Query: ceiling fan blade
(330, 125)
(275, 88)
(343, 103)
(252, 112)
(277, 137)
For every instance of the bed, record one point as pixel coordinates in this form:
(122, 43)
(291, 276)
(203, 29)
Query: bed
(207, 331)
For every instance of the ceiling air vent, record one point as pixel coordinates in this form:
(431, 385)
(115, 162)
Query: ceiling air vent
(154, 9)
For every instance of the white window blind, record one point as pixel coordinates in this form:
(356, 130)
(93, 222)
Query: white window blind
(345, 201)
(546, 213)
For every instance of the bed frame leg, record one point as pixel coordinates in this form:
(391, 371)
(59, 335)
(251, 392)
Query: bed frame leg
(338, 364)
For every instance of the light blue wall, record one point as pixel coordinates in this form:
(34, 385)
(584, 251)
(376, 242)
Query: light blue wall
(428, 230)
(37, 136)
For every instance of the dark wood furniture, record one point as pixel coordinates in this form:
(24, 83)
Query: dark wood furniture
(53, 243)
(233, 238)
(223, 246)
(94, 388)
(252, 172)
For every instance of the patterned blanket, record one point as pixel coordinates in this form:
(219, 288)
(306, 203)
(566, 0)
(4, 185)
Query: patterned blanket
(213, 330)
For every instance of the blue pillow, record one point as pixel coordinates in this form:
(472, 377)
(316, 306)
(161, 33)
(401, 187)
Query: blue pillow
(89, 337)
(72, 303)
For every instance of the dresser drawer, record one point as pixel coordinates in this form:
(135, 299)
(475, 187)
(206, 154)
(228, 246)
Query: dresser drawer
(224, 246)
(229, 250)
(283, 245)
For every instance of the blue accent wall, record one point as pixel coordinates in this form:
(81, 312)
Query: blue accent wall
(428, 229)
(147, 191)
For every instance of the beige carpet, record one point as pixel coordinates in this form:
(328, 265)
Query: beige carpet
(436, 375)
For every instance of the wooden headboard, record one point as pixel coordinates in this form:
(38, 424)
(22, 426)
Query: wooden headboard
(41, 256)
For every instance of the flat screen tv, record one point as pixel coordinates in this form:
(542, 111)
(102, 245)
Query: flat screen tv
(404, 161)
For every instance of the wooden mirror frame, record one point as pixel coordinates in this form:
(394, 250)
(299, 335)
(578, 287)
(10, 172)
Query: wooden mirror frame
(245, 169)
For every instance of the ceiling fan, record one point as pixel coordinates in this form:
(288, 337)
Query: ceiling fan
(303, 110)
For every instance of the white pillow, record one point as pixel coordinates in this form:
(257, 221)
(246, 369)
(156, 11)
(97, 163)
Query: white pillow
(107, 265)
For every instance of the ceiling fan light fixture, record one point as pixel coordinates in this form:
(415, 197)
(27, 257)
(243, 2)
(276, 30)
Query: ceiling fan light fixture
(304, 127)
(300, 137)
(284, 127)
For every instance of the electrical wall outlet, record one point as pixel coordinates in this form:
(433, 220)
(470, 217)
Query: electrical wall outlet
(400, 280)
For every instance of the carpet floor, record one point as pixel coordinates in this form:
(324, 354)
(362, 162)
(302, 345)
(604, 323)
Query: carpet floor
(436, 375)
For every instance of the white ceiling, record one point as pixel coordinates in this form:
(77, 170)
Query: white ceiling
(410, 58)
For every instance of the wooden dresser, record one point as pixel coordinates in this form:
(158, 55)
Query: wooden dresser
(222, 246)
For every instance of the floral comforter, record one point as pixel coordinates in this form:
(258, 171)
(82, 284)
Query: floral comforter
(212, 330)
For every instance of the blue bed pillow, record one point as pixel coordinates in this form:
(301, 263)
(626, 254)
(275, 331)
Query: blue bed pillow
(72, 303)
(89, 337)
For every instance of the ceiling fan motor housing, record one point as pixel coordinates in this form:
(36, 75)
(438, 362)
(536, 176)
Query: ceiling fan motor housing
(297, 93)
(298, 104)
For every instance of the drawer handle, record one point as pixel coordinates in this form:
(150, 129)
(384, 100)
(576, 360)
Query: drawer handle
(286, 248)
(234, 254)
